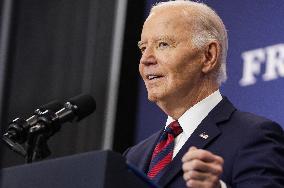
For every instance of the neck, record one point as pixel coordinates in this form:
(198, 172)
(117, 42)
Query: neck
(177, 106)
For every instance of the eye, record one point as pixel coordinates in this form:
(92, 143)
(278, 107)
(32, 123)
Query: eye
(163, 45)
(142, 46)
(142, 49)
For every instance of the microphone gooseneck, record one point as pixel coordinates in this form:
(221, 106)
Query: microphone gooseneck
(28, 137)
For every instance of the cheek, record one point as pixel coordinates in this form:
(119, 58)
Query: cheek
(178, 67)
(183, 73)
(140, 69)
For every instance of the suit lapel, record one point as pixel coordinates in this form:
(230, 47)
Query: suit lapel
(205, 133)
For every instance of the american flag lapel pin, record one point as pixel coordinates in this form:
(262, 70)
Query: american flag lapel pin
(204, 135)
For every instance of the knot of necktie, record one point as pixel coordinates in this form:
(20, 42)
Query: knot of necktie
(174, 128)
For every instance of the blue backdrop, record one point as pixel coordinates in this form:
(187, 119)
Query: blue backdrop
(255, 63)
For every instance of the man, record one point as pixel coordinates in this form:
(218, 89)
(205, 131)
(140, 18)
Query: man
(207, 142)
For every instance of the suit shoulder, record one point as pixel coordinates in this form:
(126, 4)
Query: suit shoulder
(257, 145)
(253, 121)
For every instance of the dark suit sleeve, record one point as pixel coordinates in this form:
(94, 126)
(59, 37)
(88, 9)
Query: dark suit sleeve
(260, 161)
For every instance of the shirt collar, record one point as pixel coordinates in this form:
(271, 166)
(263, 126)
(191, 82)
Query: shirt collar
(194, 115)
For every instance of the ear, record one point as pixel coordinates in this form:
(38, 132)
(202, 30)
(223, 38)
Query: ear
(211, 53)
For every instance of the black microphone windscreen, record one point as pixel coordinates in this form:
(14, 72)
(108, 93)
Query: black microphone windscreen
(85, 105)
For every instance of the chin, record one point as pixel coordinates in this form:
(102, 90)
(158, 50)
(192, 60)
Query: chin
(152, 98)
(157, 93)
(155, 96)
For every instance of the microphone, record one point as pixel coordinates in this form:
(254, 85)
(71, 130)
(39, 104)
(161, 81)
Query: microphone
(17, 131)
(49, 123)
(18, 128)
(44, 123)
(77, 107)
(49, 116)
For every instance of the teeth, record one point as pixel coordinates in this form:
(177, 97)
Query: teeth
(150, 77)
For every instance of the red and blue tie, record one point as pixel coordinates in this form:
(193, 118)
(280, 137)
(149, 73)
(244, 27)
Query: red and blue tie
(163, 152)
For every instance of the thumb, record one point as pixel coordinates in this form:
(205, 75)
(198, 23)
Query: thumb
(192, 148)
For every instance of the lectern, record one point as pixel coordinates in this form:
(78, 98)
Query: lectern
(97, 169)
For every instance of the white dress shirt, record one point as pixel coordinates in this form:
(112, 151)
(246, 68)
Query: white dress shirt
(190, 120)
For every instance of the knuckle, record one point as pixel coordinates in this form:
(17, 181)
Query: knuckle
(190, 183)
(219, 170)
(185, 177)
(191, 173)
(195, 163)
(202, 155)
(220, 160)
(185, 157)
(184, 166)
(215, 179)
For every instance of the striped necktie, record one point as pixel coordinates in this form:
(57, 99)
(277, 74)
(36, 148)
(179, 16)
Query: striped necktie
(163, 152)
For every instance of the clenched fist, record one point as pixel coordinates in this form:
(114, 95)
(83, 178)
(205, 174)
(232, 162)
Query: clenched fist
(202, 168)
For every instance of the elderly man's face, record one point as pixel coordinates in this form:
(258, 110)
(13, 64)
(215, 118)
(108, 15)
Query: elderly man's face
(170, 65)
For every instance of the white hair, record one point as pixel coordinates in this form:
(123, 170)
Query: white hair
(209, 27)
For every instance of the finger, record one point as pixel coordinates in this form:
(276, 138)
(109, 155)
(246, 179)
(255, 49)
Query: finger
(196, 165)
(200, 166)
(195, 175)
(195, 184)
(219, 160)
(187, 155)
(198, 154)
(203, 155)
(192, 148)
(214, 182)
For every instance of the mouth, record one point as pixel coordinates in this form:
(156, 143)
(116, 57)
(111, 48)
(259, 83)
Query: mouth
(153, 77)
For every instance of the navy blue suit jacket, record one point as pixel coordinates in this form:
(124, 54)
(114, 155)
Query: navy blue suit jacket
(251, 146)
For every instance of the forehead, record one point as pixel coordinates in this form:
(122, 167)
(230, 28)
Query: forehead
(168, 22)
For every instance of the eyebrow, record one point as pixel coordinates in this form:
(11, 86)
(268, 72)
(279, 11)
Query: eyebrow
(164, 37)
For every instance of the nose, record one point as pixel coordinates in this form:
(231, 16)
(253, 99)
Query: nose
(148, 57)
